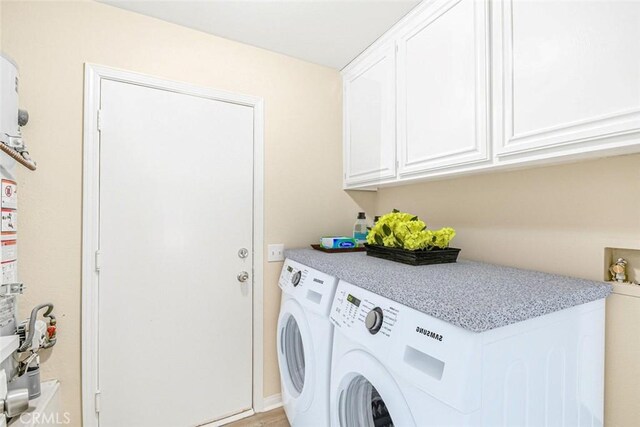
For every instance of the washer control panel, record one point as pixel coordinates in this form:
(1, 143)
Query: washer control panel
(374, 319)
(360, 313)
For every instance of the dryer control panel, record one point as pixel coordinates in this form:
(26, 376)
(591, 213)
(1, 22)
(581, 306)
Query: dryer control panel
(311, 288)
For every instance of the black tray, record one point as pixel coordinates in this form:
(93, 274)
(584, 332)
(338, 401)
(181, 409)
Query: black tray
(419, 257)
(338, 250)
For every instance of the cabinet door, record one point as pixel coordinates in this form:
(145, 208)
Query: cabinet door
(567, 75)
(369, 119)
(442, 87)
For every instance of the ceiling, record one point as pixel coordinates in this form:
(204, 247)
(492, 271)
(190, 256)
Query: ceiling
(326, 32)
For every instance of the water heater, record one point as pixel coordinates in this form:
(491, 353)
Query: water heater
(9, 135)
(20, 343)
(11, 117)
(9, 112)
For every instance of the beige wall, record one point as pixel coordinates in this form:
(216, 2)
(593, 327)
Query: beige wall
(556, 219)
(52, 40)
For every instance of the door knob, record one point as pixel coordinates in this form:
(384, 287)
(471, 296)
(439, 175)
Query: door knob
(243, 276)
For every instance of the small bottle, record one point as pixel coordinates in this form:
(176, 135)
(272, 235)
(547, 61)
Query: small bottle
(360, 229)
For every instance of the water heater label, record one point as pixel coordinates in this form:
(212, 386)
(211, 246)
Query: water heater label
(9, 272)
(9, 194)
(9, 221)
(9, 250)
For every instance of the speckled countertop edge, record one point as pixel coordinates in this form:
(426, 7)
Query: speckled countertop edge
(475, 296)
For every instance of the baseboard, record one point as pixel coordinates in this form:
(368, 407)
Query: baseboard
(272, 402)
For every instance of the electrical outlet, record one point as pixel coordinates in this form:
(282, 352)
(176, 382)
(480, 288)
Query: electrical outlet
(276, 252)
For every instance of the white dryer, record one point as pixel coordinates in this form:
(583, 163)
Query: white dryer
(395, 366)
(305, 339)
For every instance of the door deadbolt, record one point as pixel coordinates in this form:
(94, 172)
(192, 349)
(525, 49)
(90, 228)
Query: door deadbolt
(243, 253)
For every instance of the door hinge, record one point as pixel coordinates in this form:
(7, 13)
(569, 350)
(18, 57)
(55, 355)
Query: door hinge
(97, 402)
(97, 260)
(99, 120)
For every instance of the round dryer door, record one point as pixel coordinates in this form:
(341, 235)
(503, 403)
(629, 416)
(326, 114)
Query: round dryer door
(295, 356)
(366, 395)
(293, 351)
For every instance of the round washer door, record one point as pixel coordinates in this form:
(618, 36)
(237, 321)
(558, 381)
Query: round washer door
(364, 394)
(295, 356)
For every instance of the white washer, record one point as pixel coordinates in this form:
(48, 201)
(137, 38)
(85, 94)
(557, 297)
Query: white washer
(305, 339)
(393, 365)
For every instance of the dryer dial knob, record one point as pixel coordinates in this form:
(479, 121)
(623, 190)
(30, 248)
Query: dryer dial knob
(295, 279)
(373, 321)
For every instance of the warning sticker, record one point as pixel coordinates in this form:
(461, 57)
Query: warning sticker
(9, 272)
(9, 250)
(9, 221)
(9, 194)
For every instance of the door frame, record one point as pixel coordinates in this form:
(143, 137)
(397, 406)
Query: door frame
(93, 76)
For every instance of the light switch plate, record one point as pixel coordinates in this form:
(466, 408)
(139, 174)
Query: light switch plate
(276, 252)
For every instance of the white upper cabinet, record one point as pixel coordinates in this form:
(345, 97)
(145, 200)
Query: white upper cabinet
(443, 88)
(567, 76)
(488, 84)
(370, 118)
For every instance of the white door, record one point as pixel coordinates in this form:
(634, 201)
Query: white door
(370, 119)
(175, 323)
(442, 87)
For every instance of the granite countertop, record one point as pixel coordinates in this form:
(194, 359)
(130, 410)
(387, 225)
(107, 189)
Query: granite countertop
(473, 295)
